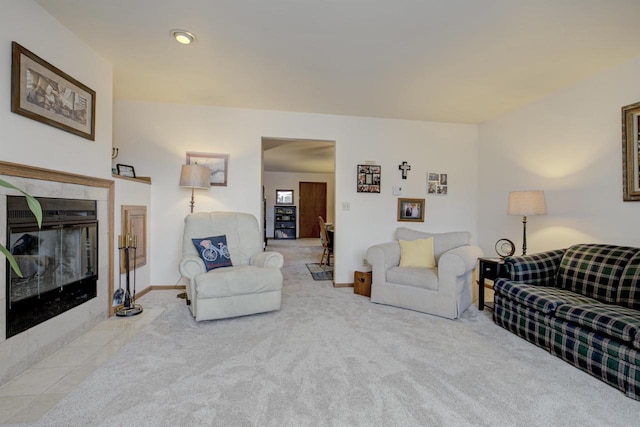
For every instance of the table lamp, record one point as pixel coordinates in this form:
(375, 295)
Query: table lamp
(526, 203)
(195, 176)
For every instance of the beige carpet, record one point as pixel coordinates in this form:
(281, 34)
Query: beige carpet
(332, 358)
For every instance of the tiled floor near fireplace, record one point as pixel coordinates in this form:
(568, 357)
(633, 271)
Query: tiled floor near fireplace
(30, 395)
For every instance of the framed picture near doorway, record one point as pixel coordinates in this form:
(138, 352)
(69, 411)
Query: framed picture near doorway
(284, 197)
(368, 178)
(631, 153)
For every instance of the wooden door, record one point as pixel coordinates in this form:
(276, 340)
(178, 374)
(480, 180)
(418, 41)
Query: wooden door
(313, 203)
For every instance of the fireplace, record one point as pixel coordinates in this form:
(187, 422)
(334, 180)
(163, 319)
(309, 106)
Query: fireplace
(59, 261)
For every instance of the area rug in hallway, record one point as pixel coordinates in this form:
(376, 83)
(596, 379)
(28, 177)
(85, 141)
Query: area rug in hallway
(320, 271)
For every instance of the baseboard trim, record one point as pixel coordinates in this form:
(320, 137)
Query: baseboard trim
(159, 288)
(342, 285)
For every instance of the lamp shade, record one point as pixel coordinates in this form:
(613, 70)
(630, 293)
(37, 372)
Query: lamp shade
(195, 176)
(527, 203)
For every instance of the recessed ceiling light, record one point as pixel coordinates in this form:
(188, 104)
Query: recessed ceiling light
(182, 36)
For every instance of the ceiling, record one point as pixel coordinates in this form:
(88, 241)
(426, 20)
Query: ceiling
(289, 155)
(461, 61)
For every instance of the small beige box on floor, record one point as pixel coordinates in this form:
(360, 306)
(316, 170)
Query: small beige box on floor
(362, 283)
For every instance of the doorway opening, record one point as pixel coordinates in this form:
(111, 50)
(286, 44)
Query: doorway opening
(307, 168)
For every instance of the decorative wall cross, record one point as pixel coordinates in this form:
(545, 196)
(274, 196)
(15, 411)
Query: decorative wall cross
(404, 167)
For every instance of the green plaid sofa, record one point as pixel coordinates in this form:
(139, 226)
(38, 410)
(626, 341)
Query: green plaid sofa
(582, 304)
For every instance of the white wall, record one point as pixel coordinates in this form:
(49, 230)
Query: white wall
(26, 141)
(291, 181)
(568, 144)
(155, 137)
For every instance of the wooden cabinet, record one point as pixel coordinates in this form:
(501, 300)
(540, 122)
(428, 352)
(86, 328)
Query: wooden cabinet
(284, 222)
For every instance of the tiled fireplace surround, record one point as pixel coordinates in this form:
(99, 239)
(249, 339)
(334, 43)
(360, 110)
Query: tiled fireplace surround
(24, 350)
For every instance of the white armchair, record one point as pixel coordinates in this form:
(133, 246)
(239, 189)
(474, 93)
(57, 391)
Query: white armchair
(445, 290)
(252, 285)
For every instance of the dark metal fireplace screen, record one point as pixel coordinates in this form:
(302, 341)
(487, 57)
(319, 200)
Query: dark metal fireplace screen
(59, 262)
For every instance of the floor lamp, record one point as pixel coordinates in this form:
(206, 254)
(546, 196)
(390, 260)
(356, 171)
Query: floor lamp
(526, 203)
(195, 176)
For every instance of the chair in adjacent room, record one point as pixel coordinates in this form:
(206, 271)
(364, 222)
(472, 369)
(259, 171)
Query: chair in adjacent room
(229, 274)
(327, 242)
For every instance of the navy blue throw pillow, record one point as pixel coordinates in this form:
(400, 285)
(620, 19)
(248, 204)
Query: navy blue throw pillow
(213, 251)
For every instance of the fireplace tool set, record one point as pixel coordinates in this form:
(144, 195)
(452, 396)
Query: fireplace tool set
(127, 244)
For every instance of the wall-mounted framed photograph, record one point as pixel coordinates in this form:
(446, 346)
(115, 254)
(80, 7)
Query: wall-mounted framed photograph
(369, 178)
(631, 153)
(437, 183)
(411, 210)
(284, 197)
(47, 94)
(217, 164)
(126, 170)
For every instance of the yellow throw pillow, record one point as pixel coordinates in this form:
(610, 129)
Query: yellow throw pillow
(417, 253)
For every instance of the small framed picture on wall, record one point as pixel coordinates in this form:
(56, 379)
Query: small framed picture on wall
(437, 183)
(368, 178)
(217, 164)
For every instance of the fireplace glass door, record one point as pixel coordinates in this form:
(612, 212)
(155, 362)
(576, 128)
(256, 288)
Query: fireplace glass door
(59, 265)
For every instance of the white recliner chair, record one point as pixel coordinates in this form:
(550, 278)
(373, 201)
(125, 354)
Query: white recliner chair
(445, 290)
(252, 285)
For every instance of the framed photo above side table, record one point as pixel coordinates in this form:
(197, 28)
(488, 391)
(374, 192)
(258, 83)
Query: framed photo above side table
(631, 153)
(48, 95)
(411, 210)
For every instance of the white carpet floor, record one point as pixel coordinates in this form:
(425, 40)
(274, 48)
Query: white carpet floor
(332, 358)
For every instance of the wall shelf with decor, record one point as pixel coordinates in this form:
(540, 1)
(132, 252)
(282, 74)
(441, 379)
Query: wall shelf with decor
(284, 224)
(141, 179)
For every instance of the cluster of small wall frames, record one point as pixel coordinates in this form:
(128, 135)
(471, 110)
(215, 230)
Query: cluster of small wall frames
(437, 183)
(369, 178)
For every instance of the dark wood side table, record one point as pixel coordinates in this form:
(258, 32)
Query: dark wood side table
(490, 269)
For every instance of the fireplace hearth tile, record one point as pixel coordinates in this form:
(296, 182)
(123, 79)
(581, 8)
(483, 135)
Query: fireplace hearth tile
(39, 406)
(69, 356)
(12, 405)
(13, 358)
(72, 380)
(94, 338)
(34, 381)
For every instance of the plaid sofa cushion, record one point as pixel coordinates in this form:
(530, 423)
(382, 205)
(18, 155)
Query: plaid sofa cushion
(537, 269)
(610, 369)
(595, 340)
(633, 387)
(594, 270)
(541, 298)
(610, 320)
(523, 321)
(629, 288)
